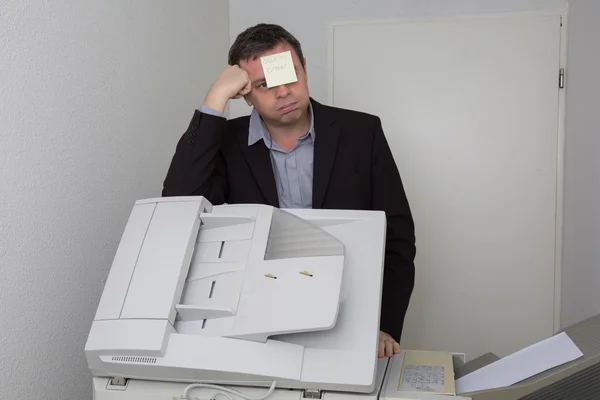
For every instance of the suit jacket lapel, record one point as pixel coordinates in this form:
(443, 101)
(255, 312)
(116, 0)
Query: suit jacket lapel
(259, 161)
(326, 141)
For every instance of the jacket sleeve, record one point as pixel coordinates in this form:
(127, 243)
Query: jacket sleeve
(197, 167)
(399, 269)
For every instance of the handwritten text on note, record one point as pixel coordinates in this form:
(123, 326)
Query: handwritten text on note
(279, 69)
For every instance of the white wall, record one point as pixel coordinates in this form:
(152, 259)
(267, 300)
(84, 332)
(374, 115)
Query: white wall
(309, 23)
(581, 254)
(93, 97)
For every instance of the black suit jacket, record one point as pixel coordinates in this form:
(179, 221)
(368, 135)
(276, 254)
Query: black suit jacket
(353, 169)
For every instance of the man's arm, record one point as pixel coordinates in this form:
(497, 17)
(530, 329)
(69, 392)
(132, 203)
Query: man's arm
(399, 268)
(198, 168)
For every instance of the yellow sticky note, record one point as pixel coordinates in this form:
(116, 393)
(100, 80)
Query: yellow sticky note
(279, 69)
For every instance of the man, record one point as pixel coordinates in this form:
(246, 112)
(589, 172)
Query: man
(293, 152)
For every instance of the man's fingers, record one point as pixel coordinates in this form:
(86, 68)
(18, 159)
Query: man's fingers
(246, 89)
(248, 86)
(387, 345)
(242, 93)
(389, 350)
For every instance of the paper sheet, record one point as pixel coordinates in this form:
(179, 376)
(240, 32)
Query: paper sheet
(532, 360)
(279, 69)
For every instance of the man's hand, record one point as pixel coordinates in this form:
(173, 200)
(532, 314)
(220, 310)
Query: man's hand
(387, 345)
(233, 83)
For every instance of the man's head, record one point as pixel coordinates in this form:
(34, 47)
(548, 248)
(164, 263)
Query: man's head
(279, 105)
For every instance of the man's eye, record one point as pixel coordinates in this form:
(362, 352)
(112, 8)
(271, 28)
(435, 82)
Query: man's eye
(263, 85)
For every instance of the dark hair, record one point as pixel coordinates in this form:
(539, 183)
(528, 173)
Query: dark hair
(260, 38)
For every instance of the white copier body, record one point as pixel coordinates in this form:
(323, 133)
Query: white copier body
(242, 296)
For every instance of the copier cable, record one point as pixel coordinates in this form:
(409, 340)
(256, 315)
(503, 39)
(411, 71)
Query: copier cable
(224, 390)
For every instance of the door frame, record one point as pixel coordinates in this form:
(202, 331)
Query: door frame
(561, 12)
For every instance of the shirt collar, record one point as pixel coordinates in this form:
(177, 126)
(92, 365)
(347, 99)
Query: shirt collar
(258, 129)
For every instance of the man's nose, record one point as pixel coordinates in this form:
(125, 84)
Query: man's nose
(282, 91)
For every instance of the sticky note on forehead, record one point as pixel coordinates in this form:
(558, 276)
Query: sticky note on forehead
(279, 69)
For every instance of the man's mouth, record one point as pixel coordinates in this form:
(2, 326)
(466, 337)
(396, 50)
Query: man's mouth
(287, 107)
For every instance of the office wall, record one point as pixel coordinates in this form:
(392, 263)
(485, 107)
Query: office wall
(93, 97)
(581, 255)
(310, 19)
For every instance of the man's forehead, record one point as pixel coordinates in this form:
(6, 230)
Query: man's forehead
(280, 48)
(254, 69)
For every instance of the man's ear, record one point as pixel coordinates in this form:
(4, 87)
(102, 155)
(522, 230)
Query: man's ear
(305, 71)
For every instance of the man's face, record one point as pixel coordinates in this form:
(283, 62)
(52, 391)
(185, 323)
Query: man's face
(279, 105)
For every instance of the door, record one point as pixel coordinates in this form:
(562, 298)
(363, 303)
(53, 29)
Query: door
(470, 108)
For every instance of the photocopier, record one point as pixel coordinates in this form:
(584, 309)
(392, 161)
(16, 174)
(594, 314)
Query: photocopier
(255, 302)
